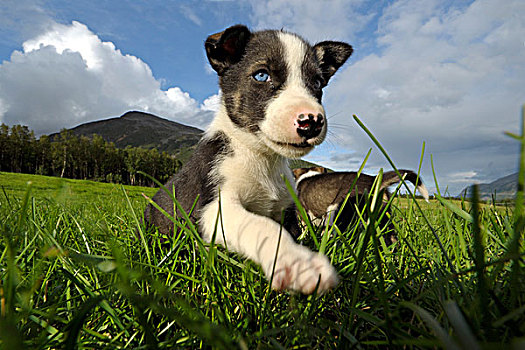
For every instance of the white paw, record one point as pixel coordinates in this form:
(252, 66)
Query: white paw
(301, 269)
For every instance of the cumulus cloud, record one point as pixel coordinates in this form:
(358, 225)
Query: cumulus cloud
(67, 76)
(212, 103)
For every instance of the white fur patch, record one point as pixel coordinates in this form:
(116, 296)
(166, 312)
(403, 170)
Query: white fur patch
(424, 192)
(331, 213)
(309, 173)
(295, 50)
(279, 127)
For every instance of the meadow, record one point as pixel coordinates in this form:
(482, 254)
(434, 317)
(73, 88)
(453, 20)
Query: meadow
(78, 271)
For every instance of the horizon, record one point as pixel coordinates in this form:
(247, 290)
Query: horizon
(402, 190)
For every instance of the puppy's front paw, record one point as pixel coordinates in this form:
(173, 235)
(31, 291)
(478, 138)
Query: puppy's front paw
(301, 269)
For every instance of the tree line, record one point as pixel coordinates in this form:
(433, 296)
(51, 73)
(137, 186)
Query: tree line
(81, 157)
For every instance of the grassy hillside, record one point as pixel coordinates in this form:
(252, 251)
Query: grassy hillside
(75, 273)
(60, 190)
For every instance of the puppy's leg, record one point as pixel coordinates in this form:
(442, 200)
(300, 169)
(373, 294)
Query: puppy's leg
(257, 237)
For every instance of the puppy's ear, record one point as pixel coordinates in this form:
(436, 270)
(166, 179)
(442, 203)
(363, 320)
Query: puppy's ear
(226, 48)
(332, 55)
(298, 172)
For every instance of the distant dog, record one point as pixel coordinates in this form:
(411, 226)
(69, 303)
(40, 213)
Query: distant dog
(322, 194)
(271, 83)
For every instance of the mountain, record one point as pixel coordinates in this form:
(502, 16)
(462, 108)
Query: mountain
(139, 129)
(504, 188)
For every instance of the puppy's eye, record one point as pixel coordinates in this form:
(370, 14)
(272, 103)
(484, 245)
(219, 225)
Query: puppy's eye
(318, 84)
(261, 75)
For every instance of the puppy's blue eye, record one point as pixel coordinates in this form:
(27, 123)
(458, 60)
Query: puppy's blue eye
(261, 76)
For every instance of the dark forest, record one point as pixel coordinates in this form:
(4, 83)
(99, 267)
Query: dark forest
(81, 157)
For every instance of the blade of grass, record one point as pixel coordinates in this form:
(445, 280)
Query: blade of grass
(372, 224)
(455, 209)
(433, 324)
(75, 325)
(342, 206)
(138, 225)
(463, 331)
(87, 291)
(516, 282)
(479, 259)
(301, 210)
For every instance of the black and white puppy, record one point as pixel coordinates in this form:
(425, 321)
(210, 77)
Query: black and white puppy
(271, 87)
(322, 193)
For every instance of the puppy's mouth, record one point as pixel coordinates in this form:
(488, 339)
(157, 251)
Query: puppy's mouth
(291, 149)
(293, 145)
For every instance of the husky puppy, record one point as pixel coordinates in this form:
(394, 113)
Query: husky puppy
(271, 87)
(322, 193)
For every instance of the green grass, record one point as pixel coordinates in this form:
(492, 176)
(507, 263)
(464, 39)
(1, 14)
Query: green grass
(65, 190)
(76, 273)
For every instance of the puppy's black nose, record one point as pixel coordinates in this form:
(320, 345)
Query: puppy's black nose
(309, 126)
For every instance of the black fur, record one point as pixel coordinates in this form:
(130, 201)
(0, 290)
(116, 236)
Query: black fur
(291, 223)
(317, 193)
(194, 178)
(331, 56)
(226, 48)
(245, 98)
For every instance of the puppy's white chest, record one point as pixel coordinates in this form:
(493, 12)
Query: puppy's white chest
(260, 189)
(265, 198)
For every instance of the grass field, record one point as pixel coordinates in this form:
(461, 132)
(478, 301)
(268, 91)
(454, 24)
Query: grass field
(76, 273)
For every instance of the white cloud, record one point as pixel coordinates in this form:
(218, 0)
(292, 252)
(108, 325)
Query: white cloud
(315, 20)
(75, 38)
(212, 103)
(465, 178)
(181, 98)
(190, 14)
(67, 76)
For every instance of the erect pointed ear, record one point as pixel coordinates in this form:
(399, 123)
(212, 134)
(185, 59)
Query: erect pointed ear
(320, 169)
(226, 48)
(332, 55)
(298, 172)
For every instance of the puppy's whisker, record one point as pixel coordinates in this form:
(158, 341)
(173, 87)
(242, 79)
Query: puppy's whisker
(340, 127)
(337, 137)
(334, 115)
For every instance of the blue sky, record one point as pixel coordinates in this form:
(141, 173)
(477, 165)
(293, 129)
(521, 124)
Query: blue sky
(445, 73)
